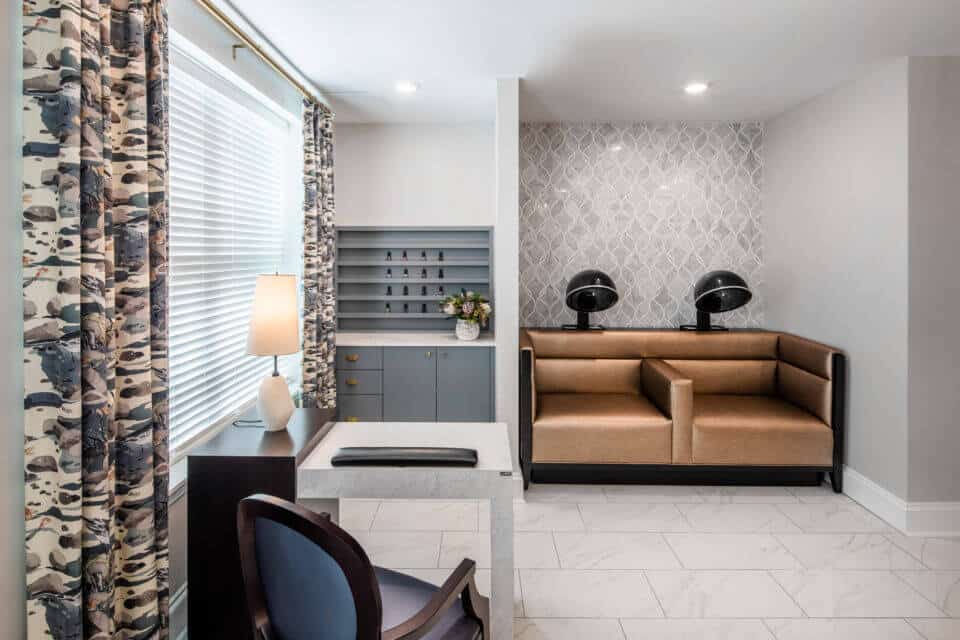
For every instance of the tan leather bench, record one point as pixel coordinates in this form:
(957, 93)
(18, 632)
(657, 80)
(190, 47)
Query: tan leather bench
(676, 406)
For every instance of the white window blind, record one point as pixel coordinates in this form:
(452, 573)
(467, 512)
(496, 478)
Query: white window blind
(235, 202)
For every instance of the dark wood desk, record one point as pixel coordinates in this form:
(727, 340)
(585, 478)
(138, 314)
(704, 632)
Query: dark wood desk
(238, 462)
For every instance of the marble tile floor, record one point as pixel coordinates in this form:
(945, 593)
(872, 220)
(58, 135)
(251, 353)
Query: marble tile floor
(685, 563)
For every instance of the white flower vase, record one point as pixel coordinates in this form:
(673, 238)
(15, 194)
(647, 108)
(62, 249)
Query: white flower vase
(467, 330)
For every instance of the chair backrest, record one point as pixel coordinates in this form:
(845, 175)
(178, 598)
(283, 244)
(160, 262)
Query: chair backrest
(610, 361)
(304, 577)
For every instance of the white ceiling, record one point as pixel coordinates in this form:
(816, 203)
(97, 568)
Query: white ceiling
(612, 60)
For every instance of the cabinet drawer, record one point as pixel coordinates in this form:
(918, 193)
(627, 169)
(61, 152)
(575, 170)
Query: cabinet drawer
(358, 383)
(360, 408)
(359, 358)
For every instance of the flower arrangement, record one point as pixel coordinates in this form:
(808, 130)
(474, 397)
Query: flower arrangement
(468, 306)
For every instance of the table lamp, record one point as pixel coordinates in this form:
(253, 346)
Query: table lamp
(274, 331)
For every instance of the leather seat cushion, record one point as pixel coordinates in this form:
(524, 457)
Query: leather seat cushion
(403, 596)
(600, 428)
(757, 430)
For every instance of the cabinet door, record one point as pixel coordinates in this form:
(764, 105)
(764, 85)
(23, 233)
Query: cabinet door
(410, 384)
(465, 384)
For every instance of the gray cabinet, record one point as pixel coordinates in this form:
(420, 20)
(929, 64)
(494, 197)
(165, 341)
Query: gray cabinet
(409, 384)
(415, 384)
(465, 384)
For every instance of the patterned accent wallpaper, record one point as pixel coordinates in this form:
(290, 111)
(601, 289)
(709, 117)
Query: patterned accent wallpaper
(654, 205)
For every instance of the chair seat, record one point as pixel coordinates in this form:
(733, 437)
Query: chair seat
(600, 428)
(757, 430)
(402, 596)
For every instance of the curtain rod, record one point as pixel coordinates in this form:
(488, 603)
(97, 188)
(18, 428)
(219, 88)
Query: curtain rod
(232, 27)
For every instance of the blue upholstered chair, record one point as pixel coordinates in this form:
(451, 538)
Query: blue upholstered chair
(308, 579)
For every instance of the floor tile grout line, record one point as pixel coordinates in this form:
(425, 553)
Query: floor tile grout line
(656, 597)
(892, 538)
(800, 565)
(788, 594)
(556, 549)
(915, 628)
(676, 555)
(765, 622)
(789, 519)
(523, 604)
(920, 593)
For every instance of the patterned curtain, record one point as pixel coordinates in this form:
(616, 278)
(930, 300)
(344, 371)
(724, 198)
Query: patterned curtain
(319, 319)
(95, 318)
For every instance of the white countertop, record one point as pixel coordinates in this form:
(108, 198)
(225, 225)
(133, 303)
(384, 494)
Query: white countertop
(410, 339)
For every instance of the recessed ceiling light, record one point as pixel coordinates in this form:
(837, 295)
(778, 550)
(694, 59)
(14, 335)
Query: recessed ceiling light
(616, 148)
(696, 88)
(406, 86)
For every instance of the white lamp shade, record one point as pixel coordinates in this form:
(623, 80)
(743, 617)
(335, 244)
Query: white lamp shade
(274, 325)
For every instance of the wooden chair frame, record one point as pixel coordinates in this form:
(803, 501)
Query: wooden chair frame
(359, 572)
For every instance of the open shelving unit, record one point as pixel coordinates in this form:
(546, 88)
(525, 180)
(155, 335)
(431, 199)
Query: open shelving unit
(372, 272)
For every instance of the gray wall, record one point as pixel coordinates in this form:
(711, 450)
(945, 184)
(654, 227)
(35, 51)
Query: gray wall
(934, 232)
(655, 205)
(12, 605)
(835, 248)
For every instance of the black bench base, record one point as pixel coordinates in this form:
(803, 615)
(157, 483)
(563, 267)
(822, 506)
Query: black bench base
(677, 474)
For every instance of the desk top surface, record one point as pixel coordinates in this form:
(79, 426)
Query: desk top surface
(488, 438)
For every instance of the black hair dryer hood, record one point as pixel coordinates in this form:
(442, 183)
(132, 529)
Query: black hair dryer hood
(717, 292)
(590, 291)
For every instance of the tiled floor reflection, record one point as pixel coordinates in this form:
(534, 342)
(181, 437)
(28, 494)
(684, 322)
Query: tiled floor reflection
(686, 563)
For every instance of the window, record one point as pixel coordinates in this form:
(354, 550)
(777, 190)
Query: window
(235, 212)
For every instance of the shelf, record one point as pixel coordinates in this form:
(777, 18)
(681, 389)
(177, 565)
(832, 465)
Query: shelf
(393, 314)
(361, 274)
(403, 281)
(400, 244)
(414, 263)
(377, 297)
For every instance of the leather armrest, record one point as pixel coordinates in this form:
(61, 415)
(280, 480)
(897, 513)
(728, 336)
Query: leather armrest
(672, 393)
(527, 345)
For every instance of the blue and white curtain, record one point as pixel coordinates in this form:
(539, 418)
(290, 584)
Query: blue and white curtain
(319, 307)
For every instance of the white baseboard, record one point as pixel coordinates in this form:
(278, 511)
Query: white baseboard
(912, 518)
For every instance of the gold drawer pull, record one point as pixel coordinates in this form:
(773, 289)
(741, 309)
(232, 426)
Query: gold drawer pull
(353, 419)
(352, 381)
(353, 357)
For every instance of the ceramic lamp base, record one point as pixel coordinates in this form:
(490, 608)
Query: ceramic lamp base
(274, 403)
